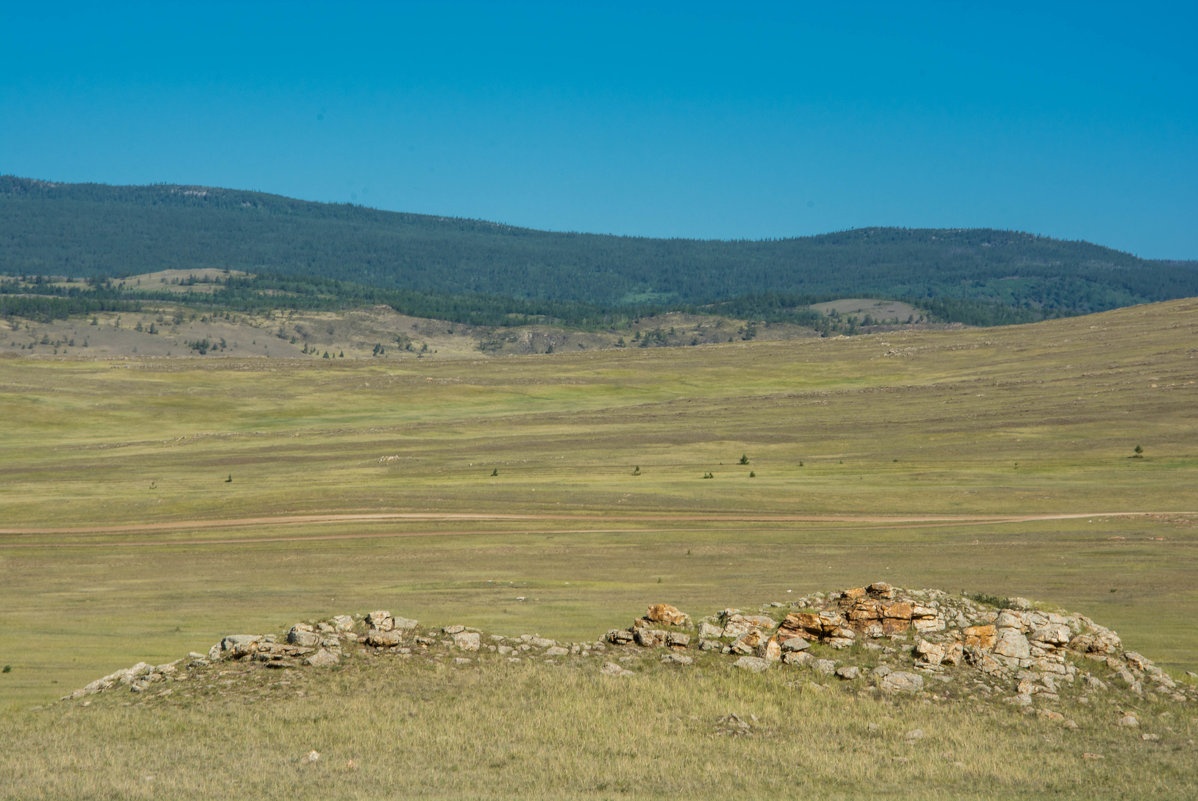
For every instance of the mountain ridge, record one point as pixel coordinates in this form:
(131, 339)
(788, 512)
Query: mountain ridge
(97, 230)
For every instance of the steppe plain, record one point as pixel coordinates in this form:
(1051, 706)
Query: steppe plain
(149, 506)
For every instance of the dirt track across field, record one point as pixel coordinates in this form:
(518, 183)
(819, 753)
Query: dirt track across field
(585, 521)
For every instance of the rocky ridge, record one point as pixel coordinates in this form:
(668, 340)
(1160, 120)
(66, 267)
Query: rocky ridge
(879, 639)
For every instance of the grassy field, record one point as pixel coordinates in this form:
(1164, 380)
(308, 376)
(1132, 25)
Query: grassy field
(148, 507)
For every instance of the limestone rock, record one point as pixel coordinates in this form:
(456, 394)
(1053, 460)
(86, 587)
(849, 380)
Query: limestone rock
(737, 624)
(667, 615)
(983, 637)
(650, 638)
(383, 638)
(753, 664)
(323, 658)
(677, 659)
(342, 623)
(900, 681)
(303, 635)
(380, 619)
(848, 672)
(676, 639)
(1012, 644)
(467, 640)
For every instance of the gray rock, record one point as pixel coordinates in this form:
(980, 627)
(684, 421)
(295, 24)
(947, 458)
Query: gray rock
(795, 644)
(650, 638)
(1012, 644)
(900, 681)
(557, 650)
(380, 638)
(1129, 721)
(342, 622)
(752, 663)
(323, 658)
(677, 659)
(848, 672)
(303, 635)
(612, 669)
(824, 666)
(467, 640)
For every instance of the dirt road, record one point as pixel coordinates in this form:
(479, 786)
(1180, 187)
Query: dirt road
(584, 523)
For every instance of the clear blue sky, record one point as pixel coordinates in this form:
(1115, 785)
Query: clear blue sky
(710, 120)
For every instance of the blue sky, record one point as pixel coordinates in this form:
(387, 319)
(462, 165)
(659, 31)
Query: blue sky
(1073, 120)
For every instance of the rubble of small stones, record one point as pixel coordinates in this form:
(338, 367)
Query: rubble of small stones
(880, 639)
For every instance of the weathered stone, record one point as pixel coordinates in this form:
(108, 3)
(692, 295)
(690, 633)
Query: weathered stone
(676, 639)
(853, 594)
(795, 644)
(748, 642)
(545, 642)
(342, 622)
(323, 658)
(1054, 635)
(769, 650)
(797, 658)
(1103, 642)
(899, 610)
(825, 666)
(619, 636)
(667, 615)
(1009, 619)
(1135, 660)
(403, 624)
(383, 638)
(880, 589)
(1129, 721)
(380, 619)
(239, 645)
(303, 635)
(650, 638)
(737, 624)
(709, 631)
(752, 663)
(467, 640)
(927, 653)
(451, 630)
(710, 645)
(677, 659)
(1012, 644)
(556, 651)
(983, 637)
(900, 681)
(848, 672)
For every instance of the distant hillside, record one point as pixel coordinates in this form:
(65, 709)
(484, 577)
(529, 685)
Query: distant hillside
(92, 230)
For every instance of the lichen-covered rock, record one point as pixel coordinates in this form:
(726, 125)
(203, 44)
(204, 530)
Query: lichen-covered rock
(467, 640)
(901, 681)
(667, 615)
(752, 664)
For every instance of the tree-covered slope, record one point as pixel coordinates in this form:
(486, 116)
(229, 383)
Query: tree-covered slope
(88, 230)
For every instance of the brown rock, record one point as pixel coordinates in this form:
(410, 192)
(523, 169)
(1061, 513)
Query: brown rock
(667, 615)
(899, 610)
(854, 593)
(983, 637)
(880, 589)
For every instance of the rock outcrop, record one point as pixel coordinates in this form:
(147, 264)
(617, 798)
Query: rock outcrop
(878, 638)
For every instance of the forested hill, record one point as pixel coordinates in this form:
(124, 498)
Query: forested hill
(86, 230)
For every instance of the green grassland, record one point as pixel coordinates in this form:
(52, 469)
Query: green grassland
(148, 507)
